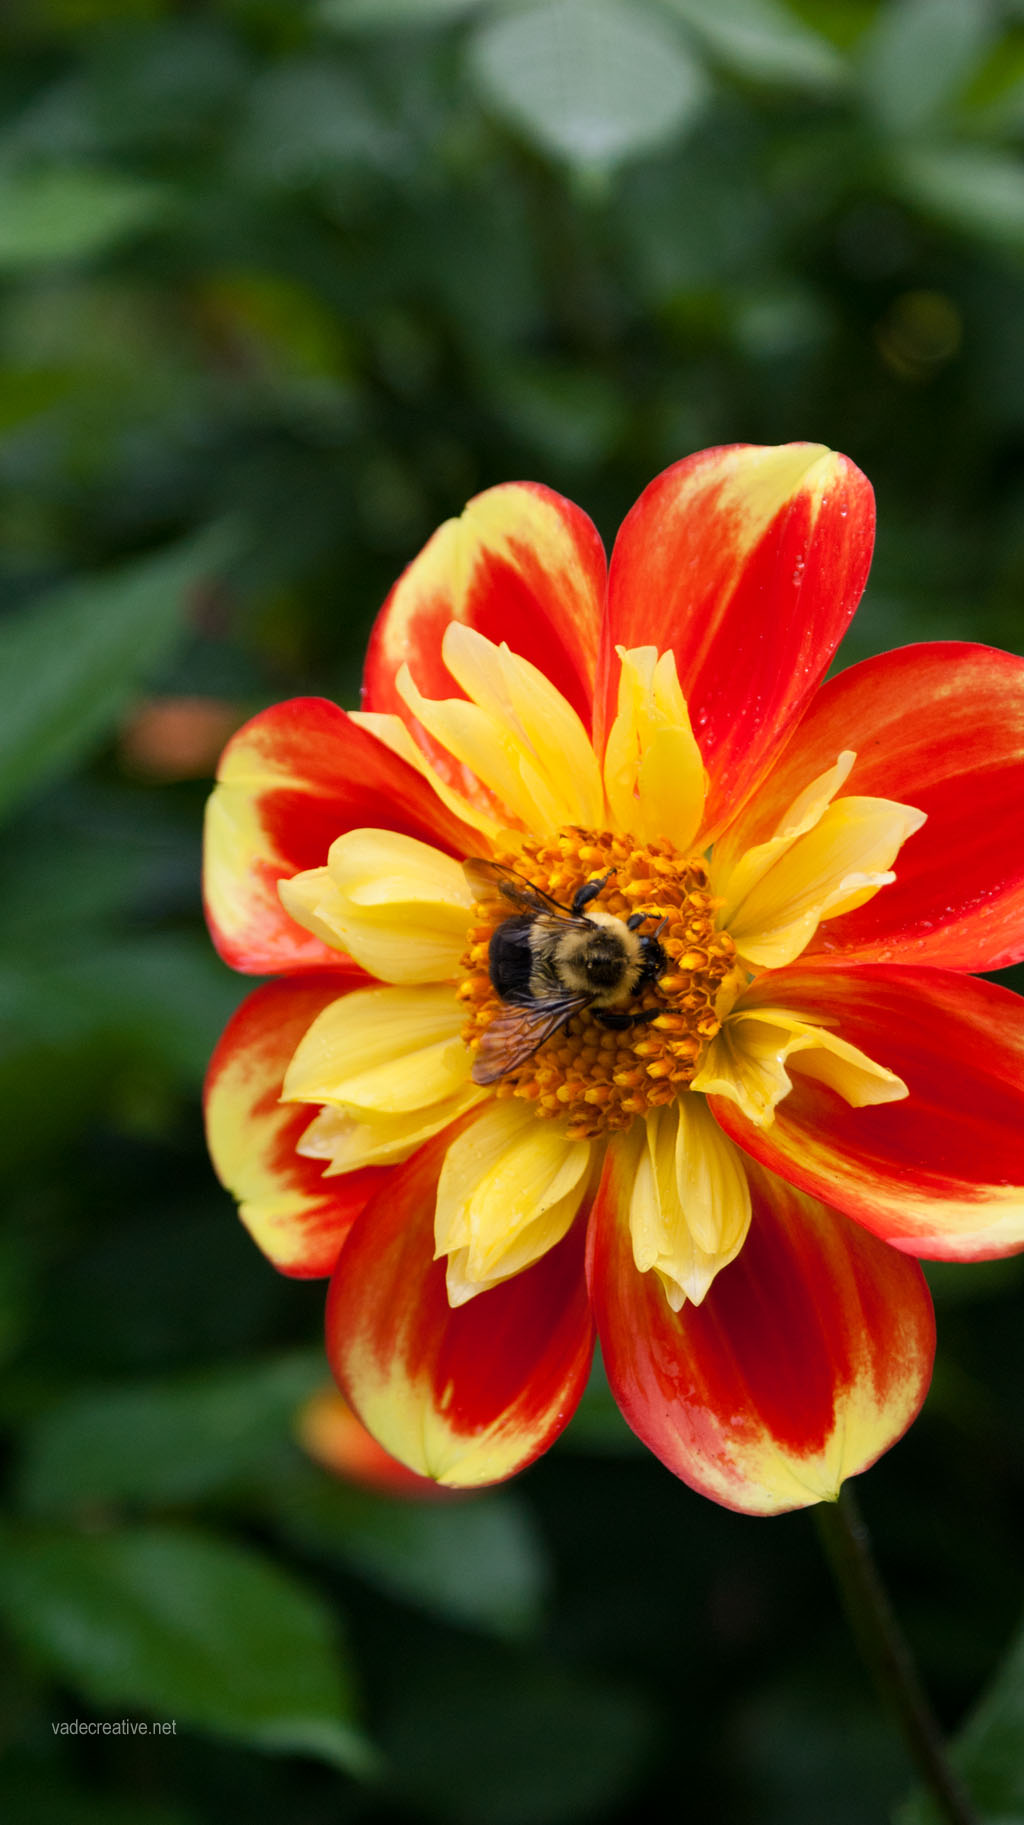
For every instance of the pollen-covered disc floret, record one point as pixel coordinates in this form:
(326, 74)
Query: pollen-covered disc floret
(597, 1078)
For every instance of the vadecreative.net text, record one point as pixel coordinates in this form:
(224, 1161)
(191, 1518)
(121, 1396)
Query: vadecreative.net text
(122, 1726)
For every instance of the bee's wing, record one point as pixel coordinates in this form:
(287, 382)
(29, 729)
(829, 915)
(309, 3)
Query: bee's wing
(514, 1034)
(490, 881)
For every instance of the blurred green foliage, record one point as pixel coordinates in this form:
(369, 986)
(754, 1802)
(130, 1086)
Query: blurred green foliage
(281, 284)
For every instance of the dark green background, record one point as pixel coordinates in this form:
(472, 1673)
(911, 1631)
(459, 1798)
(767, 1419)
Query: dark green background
(282, 284)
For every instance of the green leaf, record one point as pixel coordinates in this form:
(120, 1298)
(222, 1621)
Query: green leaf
(70, 663)
(88, 858)
(591, 81)
(995, 97)
(168, 1441)
(761, 41)
(987, 1751)
(26, 393)
(976, 191)
(569, 414)
(475, 1560)
(919, 56)
(164, 998)
(388, 15)
(529, 1741)
(304, 120)
(19, 1274)
(186, 1628)
(50, 217)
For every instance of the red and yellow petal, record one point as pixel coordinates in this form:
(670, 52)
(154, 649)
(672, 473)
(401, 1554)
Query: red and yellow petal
(466, 1396)
(810, 1356)
(748, 563)
(521, 564)
(296, 1216)
(940, 727)
(292, 780)
(939, 1174)
(328, 1429)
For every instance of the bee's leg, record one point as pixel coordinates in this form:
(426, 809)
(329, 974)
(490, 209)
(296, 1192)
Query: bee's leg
(635, 920)
(620, 1022)
(589, 891)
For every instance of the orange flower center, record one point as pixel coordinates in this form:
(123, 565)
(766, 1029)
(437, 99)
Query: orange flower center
(597, 1077)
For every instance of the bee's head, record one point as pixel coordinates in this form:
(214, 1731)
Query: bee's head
(655, 961)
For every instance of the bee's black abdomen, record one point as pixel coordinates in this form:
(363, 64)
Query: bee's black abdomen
(510, 959)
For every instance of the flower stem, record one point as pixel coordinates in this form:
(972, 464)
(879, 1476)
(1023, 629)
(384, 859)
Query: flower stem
(887, 1654)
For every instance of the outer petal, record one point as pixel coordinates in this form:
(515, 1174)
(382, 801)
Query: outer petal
(329, 1430)
(290, 782)
(810, 1355)
(522, 564)
(296, 1216)
(748, 563)
(940, 727)
(465, 1396)
(939, 1174)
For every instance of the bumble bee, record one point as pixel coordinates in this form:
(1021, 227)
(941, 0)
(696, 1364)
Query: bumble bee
(547, 962)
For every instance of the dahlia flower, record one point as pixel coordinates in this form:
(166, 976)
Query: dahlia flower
(726, 1166)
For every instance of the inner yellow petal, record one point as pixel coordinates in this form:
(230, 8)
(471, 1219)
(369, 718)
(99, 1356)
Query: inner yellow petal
(515, 693)
(712, 1183)
(383, 1051)
(832, 868)
(653, 772)
(516, 733)
(509, 1190)
(748, 1059)
(347, 1142)
(738, 868)
(311, 900)
(398, 906)
(690, 1203)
